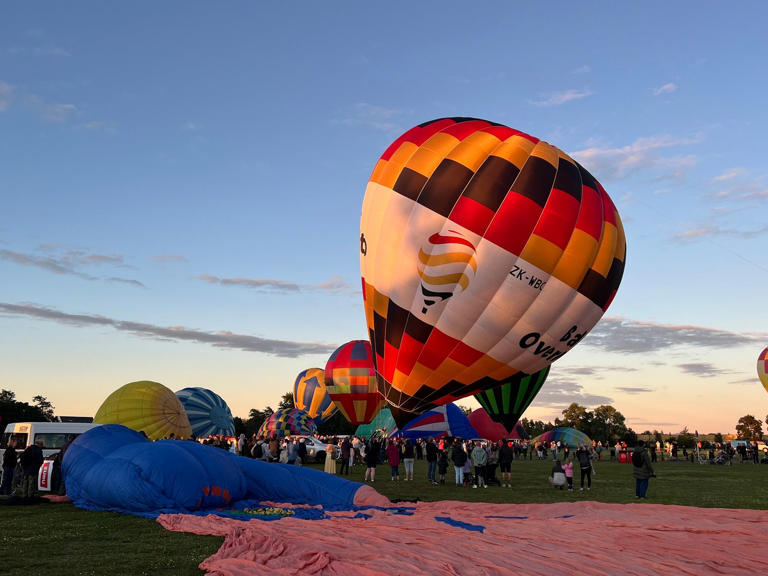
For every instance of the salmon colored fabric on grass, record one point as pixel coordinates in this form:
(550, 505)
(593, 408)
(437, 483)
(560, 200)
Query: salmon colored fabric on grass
(453, 538)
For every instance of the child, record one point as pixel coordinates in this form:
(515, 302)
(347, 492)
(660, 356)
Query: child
(442, 465)
(568, 467)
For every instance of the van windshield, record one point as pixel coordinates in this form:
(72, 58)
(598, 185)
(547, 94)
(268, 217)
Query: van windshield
(52, 440)
(21, 440)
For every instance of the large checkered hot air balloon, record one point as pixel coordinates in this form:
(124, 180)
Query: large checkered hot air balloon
(310, 394)
(288, 422)
(762, 368)
(351, 382)
(484, 252)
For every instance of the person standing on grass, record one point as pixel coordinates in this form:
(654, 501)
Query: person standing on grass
(9, 466)
(479, 459)
(431, 450)
(346, 447)
(506, 455)
(568, 469)
(442, 465)
(393, 457)
(408, 454)
(459, 458)
(31, 460)
(642, 470)
(585, 464)
(371, 459)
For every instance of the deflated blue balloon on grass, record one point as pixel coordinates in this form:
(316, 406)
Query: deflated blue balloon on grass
(112, 467)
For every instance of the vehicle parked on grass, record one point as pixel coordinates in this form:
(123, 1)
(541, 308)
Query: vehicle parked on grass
(52, 434)
(316, 448)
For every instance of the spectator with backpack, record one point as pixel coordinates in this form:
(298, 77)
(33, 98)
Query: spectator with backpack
(642, 470)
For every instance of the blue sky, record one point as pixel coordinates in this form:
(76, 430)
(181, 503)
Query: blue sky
(181, 184)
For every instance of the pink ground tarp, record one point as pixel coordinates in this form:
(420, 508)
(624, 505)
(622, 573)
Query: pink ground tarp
(460, 538)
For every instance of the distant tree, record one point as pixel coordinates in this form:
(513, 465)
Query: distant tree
(286, 402)
(718, 438)
(630, 437)
(11, 410)
(335, 425)
(749, 428)
(575, 416)
(607, 424)
(535, 427)
(659, 436)
(686, 439)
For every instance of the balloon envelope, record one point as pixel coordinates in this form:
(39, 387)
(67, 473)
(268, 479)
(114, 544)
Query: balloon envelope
(762, 368)
(447, 420)
(311, 395)
(207, 412)
(287, 423)
(148, 407)
(350, 379)
(574, 438)
(505, 404)
(382, 422)
(490, 430)
(484, 252)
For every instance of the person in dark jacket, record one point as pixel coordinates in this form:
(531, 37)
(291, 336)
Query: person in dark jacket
(31, 460)
(642, 472)
(585, 464)
(506, 455)
(9, 466)
(459, 458)
(431, 460)
(346, 447)
(371, 459)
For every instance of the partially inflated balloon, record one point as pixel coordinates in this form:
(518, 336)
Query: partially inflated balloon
(288, 422)
(762, 368)
(207, 412)
(484, 252)
(505, 404)
(310, 394)
(351, 382)
(147, 407)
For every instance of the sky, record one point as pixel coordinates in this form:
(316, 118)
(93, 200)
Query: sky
(181, 186)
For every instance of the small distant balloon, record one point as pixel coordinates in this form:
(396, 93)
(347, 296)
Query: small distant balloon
(311, 395)
(350, 379)
(288, 423)
(762, 368)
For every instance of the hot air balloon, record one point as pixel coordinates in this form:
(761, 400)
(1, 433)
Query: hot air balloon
(207, 412)
(310, 394)
(351, 382)
(147, 407)
(570, 436)
(506, 403)
(484, 252)
(293, 422)
(762, 368)
(493, 431)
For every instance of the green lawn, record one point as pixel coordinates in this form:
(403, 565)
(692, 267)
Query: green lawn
(63, 540)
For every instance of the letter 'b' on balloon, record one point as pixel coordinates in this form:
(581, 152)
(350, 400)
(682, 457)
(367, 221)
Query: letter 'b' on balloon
(484, 253)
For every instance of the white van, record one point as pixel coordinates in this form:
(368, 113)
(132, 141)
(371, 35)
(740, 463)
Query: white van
(53, 435)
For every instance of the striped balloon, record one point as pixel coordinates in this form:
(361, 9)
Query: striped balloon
(484, 253)
(351, 382)
(207, 412)
(505, 404)
(311, 395)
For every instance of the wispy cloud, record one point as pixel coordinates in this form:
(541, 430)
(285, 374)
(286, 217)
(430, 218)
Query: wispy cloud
(703, 369)
(712, 231)
(644, 154)
(376, 117)
(560, 98)
(634, 337)
(730, 174)
(6, 92)
(334, 285)
(582, 70)
(666, 89)
(191, 126)
(168, 258)
(69, 263)
(98, 126)
(52, 112)
(219, 339)
(634, 390)
(559, 393)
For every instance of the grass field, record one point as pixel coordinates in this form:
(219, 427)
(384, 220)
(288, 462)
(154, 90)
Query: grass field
(63, 540)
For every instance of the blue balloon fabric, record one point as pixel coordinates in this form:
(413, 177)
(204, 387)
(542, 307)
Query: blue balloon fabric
(111, 467)
(207, 412)
(447, 420)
